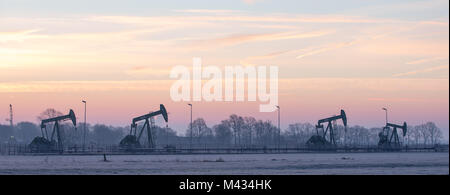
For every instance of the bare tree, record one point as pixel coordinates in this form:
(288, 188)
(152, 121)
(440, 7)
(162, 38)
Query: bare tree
(248, 129)
(265, 132)
(103, 134)
(200, 130)
(49, 113)
(424, 133)
(433, 131)
(300, 132)
(415, 133)
(26, 131)
(223, 134)
(236, 123)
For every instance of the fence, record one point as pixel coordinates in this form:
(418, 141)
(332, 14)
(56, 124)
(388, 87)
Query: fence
(21, 149)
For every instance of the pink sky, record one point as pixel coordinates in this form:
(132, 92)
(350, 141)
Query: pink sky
(301, 100)
(347, 56)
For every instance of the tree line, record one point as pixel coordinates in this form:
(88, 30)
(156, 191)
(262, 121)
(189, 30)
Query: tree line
(235, 131)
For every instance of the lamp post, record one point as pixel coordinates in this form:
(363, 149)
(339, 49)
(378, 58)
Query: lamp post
(190, 127)
(385, 109)
(279, 129)
(84, 130)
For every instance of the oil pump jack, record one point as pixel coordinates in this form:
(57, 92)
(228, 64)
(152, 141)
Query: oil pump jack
(320, 140)
(132, 140)
(386, 140)
(49, 144)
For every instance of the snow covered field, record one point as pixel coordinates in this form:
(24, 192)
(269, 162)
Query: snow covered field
(330, 163)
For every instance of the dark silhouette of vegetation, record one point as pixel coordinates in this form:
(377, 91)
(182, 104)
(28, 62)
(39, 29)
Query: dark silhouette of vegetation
(236, 131)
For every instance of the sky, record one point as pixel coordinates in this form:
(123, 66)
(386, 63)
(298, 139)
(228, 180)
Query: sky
(359, 56)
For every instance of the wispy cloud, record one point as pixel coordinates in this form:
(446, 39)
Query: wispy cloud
(398, 99)
(403, 7)
(434, 22)
(425, 70)
(148, 71)
(327, 48)
(425, 60)
(76, 86)
(208, 11)
(334, 46)
(19, 35)
(248, 60)
(251, 2)
(286, 85)
(127, 41)
(271, 36)
(202, 19)
(242, 38)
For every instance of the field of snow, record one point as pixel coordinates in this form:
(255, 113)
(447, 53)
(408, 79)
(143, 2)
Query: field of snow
(254, 164)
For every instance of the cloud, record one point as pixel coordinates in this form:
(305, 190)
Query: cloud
(294, 85)
(270, 37)
(242, 38)
(405, 7)
(377, 99)
(19, 35)
(425, 60)
(432, 69)
(313, 50)
(77, 86)
(116, 44)
(8, 51)
(327, 48)
(248, 60)
(437, 23)
(334, 46)
(251, 2)
(242, 18)
(208, 11)
(148, 71)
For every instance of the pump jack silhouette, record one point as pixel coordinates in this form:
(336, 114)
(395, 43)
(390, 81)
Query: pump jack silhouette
(391, 140)
(45, 143)
(320, 140)
(132, 140)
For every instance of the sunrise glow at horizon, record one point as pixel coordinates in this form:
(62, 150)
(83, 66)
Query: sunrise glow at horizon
(359, 56)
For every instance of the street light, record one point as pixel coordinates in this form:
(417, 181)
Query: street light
(190, 142)
(385, 109)
(84, 132)
(279, 129)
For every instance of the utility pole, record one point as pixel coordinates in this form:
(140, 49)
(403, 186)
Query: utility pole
(279, 129)
(190, 142)
(11, 116)
(84, 132)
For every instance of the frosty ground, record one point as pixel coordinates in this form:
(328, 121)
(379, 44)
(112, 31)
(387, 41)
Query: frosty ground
(255, 164)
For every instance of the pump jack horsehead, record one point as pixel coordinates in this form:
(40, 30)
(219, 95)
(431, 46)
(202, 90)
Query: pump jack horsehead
(132, 140)
(50, 143)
